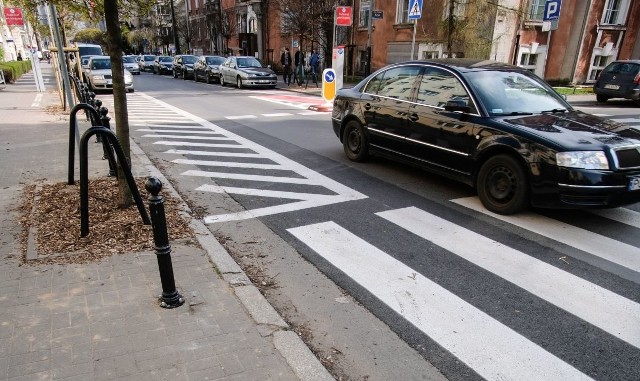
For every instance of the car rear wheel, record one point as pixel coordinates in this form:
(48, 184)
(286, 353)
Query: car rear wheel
(355, 141)
(239, 82)
(222, 81)
(207, 78)
(502, 185)
(601, 98)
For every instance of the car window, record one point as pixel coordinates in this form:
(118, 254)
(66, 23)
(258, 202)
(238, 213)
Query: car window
(215, 60)
(149, 58)
(248, 62)
(128, 59)
(398, 82)
(189, 59)
(509, 92)
(438, 86)
(100, 64)
(628, 68)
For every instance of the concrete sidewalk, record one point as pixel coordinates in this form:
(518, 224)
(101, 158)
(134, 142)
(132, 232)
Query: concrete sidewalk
(102, 320)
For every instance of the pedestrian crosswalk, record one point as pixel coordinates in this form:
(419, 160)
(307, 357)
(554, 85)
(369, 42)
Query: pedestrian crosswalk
(511, 312)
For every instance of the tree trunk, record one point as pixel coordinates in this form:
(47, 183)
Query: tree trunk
(114, 44)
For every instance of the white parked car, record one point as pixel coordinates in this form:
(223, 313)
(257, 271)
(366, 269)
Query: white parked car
(99, 75)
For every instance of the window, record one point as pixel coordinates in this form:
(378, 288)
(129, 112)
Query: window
(459, 9)
(529, 61)
(438, 86)
(536, 12)
(394, 83)
(428, 55)
(599, 63)
(612, 12)
(402, 12)
(365, 8)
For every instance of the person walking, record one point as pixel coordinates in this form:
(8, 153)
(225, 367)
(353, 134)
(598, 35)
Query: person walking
(285, 60)
(314, 61)
(298, 75)
(19, 56)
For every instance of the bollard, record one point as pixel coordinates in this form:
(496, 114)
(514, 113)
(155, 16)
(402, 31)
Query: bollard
(106, 146)
(170, 297)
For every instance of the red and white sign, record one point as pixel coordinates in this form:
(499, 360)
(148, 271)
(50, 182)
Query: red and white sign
(344, 16)
(13, 16)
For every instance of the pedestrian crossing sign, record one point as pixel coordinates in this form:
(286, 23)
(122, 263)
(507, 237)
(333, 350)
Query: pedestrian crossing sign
(415, 9)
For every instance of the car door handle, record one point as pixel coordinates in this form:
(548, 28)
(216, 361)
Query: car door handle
(414, 117)
(367, 106)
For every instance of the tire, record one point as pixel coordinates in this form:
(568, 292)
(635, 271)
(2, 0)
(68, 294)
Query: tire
(355, 141)
(601, 98)
(502, 185)
(239, 82)
(222, 81)
(207, 78)
(155, 71)
(184, 75)
(175, 75)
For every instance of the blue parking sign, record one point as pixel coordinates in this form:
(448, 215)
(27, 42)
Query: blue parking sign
(552, 10)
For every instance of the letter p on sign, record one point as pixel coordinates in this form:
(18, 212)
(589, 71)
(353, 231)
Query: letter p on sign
(551, 10)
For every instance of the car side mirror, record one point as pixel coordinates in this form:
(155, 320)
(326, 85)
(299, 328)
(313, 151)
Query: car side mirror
(269, 66)
(457, 105)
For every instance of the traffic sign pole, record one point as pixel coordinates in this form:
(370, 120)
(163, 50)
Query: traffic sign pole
(415, 13)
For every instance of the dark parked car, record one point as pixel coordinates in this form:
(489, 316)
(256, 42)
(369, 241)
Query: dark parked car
(496, 127)
(620, 79)
(183, 66)
(146, 62)
(246, 71)
(163, 65)
(208, 68)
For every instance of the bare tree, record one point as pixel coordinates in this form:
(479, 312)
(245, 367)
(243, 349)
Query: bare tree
(228, 25)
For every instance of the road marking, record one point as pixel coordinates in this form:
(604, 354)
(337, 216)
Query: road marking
(238, 176)
(606, 310)
(493, 350)
(626, 120)
(623, 215)
(598, 245)
(207, 132)
(241, 117)
(186, 137)
(263, 193)
(37, 100)
(278, 114)
(340, 192)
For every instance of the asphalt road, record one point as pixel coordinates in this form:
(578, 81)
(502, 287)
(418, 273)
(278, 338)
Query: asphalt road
(387, 271)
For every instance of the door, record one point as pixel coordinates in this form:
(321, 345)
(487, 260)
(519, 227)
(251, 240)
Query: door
(385, 103)
(442, 139)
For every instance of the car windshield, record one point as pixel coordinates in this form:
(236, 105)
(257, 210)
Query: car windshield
(189, 59)
(513, 93)
(165, 59)
(128, 59)
(629, 68)
(215, 60)
(248, 62)
(100, 64)
(149, 58)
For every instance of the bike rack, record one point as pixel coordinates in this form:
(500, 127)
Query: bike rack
(107, 135)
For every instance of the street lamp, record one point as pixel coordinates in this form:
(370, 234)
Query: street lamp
(176, 40)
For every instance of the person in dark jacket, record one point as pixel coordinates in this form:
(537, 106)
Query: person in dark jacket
(285, 60)
(298, 75)
(19, 57)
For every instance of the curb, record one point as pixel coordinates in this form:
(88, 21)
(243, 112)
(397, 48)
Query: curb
(269, 323)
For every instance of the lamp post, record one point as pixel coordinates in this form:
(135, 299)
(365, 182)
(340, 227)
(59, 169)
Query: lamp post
(176, 40)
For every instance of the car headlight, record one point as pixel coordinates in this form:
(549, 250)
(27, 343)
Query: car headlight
(97, 77)
(583, 159)
(127, 77)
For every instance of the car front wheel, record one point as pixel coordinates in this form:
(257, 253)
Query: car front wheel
(601, 98)
(239, 82)
(355, 141)
(222, 81)
(502, 185)
(207, 78)
(175, 75)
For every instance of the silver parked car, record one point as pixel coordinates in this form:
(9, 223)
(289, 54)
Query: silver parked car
(246, 71)
(145, 63)
(131, 63)
(99, 75)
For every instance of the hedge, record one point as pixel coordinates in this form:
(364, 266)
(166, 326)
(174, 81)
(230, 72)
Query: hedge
(14, 69)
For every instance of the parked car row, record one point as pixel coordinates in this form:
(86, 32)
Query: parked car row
(242, 71)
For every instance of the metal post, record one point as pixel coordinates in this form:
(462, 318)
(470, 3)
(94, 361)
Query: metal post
(107, 149)
(367, 69)
(170, 297)
(176, 39)
(61, 60)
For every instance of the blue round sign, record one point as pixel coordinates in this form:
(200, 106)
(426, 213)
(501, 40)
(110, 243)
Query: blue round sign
(329, 77)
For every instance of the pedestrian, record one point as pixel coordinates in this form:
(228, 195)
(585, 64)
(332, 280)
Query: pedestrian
(298, 75)
(19, 56)
(314, 61)
(285, 60)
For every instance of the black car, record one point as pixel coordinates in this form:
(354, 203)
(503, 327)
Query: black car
(208, 68)
(620, 79)
(163, 65)
(183, 65)
(496, 127)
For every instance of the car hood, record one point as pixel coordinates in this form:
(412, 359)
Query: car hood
(576, 130)
(257, 70)
(100, 72)
(131, 65)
